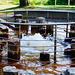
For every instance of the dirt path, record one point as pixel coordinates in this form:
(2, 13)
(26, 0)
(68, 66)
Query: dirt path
(2, 7)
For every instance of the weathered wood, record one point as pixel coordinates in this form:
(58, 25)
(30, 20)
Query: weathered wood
(72, 34)
(44, 56)
(0, 52)
(40, 29)
(73, 44)
(2, 44)
(68, 40)
(72, 27)
(24, 28)
(54, 15)
(17, 26)
(3, 36)
(4, 30)
(67, 51)
(73, 49)
(14, 50)
(49, 29)
(9, 25)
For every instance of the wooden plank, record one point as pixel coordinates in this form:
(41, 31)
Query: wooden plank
(14, 50)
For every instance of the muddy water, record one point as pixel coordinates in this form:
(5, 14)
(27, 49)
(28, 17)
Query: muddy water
(29, 58)
(40, 68)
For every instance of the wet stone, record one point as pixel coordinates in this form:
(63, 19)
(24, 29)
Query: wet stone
(10, 70)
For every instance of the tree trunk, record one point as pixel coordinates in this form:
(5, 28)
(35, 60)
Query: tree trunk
(23, 3)
(68, 2)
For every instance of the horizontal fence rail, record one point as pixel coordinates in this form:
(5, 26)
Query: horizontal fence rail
(66, 11)
(13, 23)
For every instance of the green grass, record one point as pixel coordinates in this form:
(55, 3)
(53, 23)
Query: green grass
(9, 5)
(42, 7)
(9, 2)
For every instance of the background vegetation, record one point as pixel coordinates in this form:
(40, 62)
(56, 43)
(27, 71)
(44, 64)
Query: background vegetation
(37, 2)
(60, 2)
(9, 2)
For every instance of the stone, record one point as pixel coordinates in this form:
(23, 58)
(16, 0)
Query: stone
(40, 20)
(10, 70)
(18, 16)
(38, 29)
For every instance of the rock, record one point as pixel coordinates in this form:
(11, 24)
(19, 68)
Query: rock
(40, 20)
(10, 70)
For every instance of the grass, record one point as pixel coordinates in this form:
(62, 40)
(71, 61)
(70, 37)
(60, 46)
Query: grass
(9, 2)
(40, 7)
(14, 4)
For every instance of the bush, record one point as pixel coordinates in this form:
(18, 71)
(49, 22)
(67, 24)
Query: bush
(50, 2)
(60, 2)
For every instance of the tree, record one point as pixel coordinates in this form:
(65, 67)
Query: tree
(72, 2)
(68, 2)
(55, 2)
(23, 3)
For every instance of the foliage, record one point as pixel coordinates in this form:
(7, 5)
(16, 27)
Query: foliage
(37, 2)
(40, 7)
(50, 2)
(72, 2)
(60, 2)
(9, 2)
